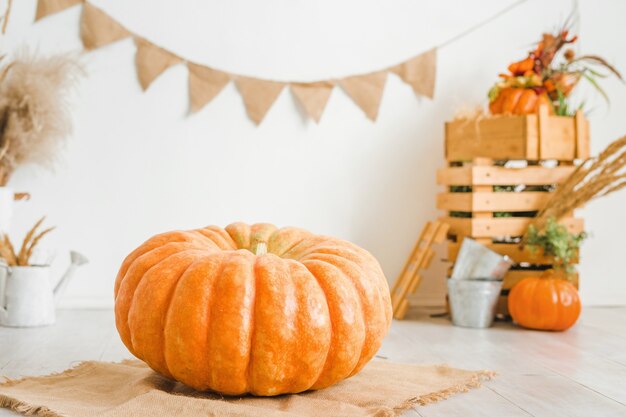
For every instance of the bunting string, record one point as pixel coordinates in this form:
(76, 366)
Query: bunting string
(98, 29)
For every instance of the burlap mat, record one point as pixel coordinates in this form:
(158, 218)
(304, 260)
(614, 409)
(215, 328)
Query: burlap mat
(130, 388)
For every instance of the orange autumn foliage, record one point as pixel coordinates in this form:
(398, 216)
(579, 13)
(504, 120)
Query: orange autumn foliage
(547, 76)
(211, 309)
(544, 303)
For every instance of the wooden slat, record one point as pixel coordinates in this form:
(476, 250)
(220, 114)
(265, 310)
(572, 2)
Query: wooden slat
(512, 250)
(513, 277)
(499, 227)
(481, 175)
(493, 137)
(582, 135)
(420, 258)
(455, 175)
(492, 201)
(530, 137)
(557, 136)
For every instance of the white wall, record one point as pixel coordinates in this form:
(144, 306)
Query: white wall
(138, 165)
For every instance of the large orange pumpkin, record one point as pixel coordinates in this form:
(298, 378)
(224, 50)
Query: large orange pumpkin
(202, 307)
(518, 101)
(544, 303)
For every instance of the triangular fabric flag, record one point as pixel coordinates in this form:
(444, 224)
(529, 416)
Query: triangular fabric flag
(151, 61)
(313, 97)
(98, 29)
(420, 73)
(258, 95)
(204, 84)
(366, 91)
(48, 7)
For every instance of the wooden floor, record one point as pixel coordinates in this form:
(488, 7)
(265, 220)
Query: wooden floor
(578, 373)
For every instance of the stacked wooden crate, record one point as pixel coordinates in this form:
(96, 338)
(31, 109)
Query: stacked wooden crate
(501, 171)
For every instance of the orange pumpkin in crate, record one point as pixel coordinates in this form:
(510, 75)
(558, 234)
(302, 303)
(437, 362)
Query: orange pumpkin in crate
(544, 303)
(252, 309)
(519, 101)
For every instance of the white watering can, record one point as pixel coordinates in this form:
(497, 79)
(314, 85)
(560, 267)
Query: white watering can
(27, 296)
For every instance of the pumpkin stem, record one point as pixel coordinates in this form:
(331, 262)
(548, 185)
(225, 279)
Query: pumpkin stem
(261, 249)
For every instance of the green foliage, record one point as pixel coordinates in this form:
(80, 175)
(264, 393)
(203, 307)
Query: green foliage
(556, 241)
(564, 107)
(503, 188)
(461, 214)
(460, 189)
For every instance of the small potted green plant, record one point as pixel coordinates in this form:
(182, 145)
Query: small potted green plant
(558, 242)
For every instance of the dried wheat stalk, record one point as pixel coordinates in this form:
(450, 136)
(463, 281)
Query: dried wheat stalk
(28, 238)
(5, 18)
(31, 240)
(594, 178)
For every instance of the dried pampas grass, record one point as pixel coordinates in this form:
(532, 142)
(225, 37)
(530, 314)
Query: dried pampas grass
(34, 114)
(594, 178)
(470, 113)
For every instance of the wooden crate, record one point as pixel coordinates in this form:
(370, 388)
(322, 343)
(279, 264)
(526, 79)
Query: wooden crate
(483, 201)
(530, 137)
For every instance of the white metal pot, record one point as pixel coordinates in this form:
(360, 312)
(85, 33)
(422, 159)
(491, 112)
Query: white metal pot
(28, 297)
(27, 294)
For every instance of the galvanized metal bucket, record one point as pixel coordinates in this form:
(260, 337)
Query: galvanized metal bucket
(473, 302)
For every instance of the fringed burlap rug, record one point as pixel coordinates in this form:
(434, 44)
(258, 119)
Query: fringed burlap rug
(130, 388)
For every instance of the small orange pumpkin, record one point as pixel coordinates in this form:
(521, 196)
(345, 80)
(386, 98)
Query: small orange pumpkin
(519, 101)
(544, 303)
(214, 310)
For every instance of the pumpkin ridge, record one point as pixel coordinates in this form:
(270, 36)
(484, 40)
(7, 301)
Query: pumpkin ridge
(376, 308)
(362, 255)
(150, 251)
(295, 265)
(291, 247)
(335, 343)
(235, 231)
(188, 364)
(186, 237)
(330, 325)
(359, 291)
(134, 297)
(315, 243)
(130, 302)
(161, 260)
(209, 233)
(253, 326)
(229, 327)
(154, 242)
(168, 303)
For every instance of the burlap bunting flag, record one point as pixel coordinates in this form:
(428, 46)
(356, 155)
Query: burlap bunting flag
(98, 29)
(366, 91)
(419, 72)
(204, 84)
(151, 61)
(258, 95)
(313, 97)
(48, 7)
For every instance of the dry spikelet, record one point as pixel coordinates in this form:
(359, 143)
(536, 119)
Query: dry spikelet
(34, 243)
(594, 178)
(7, 252)
(31, 240)
(26, 242)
